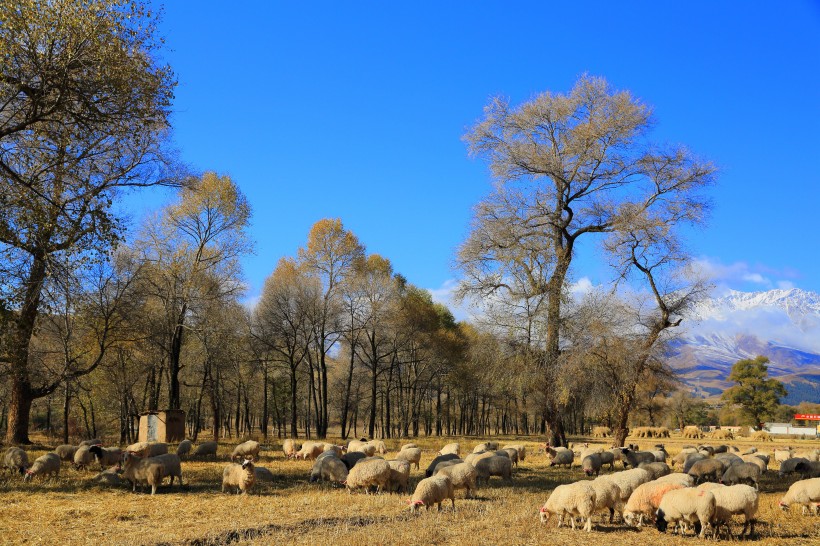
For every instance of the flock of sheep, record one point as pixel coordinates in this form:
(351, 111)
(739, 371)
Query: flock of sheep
(711, 485)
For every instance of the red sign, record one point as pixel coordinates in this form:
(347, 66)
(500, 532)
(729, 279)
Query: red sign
(807, 416)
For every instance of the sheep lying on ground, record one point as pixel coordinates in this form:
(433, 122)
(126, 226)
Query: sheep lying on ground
(262, 474)
(16, 460)
(440, 459)
(184, 449)
(462, 475)
(493, 466)
(433, 490)
(66, 452)
(239, 476)
(805, 493)
(109, 476)
(736, 499)
(290, 448)
(575, 499)
(245, 450)
(412, 455)
(106, 456)
(205, 449)
(44, 465)
(686, 505)
(451, 449)
(645, 500)
(369, 472)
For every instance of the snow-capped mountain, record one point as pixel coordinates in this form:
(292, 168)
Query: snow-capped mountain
(783, 325)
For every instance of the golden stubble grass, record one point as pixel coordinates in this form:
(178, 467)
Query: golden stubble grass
(292, 511)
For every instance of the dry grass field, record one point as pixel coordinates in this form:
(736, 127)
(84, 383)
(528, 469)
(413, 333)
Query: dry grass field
(292, 511)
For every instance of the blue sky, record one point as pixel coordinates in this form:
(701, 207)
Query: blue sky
(356, 111)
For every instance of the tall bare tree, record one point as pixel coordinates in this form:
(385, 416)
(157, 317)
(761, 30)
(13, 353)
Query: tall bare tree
(566, 167)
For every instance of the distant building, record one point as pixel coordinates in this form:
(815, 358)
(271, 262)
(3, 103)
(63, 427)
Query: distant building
(787, 428)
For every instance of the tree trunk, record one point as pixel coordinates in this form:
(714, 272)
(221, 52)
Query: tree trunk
(19, 412)
(173, 361)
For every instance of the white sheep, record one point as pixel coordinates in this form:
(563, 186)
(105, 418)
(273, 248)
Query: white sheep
(83, 457)
(311, 450)
(150, 470)
(451, 449)
(381, 449)
(106, 456)
(463, 476)
(645, 500)
(399, 475)
(607, 497)
(109, 476)
(735, 499)
(290, 448)
(406, 446)
(486, 446)
(43, 465)
(148, 449)
(184, 449)
(205, 449)
(510, 453)
(66, 452)
(368, 473)
(575, 499)
(520, 448)
(678, 477)
(687, 505)
(16, 460)
(755, 460)
(493, 466)
(628, 480)
(367, 448)
(262, 474)
(473, 458)
(559, 456)
(245, 450)
(803, 492)
(329, 468)
(591, 464)
(781, 455)
(432, 490)
(411, 455)
(240, 476)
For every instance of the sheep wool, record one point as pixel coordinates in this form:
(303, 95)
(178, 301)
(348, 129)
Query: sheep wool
(205, 449)
(83, 457)
(678, 477)
(560, 456)
(607, 497)
(493, 466)
(473, 458)
(184, 448)
(645, 500)
(687, 505)
(510, 453)
(748, 473)
(148, 449)
(781, 455)
(591, 464)
(311, 450)
(805, 493)
(399, 476)
(106, 456)
(239, 476)
(486, 446)
(735, 500)
(66, 452)
(628, 480)
(16, 460)
(432, 490)
(48, 464)
(411, 455)
(463, 476)
(439, 459)
(290, 448)
(150, 470)
(451, 449)
(520, 448)
(245, 450)
(707, 470)
(369, 472)
(656, 470)
(405, 446)
(328, 468)
(574, 500)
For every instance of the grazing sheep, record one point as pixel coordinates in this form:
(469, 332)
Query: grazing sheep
(399, 476)
(312, 450)
(628, 480)
(656, 470)
(789, 466)
(591, 464)
(83, 457)
(684, 479)
(750, 451)
(406, 446)
(352, 457)
(92, 442)
(290, 448)
(43, 465)
(692, 432)
(560, 456)
(450, 449)
(645, 500)
(520, 448)
(813, 455)
(381, 449)
(510, 453)
(184, 449)
(486, 446)
(440, 459)
(493, 466)
(686, 505)
(411, 455)
(635, 458)
(722, 434)
(205, 449)
(805, 493)
(807, 470)
(692, 459)
(240, 476)
(748, 473)
(607, 457)
(328, 467)
(148, 449)
(607, 496)
(707, 470)
(462, 475)
(601, 432)
(781, 455)
(659, 454)
(575, 499)
(367, 473)
(433, 490)
(680, 458)
(16, 460)
(150, 470)
(66, 452)
(473, 458)
(737, 499)
(245, 450)
(728, 459)
(755, 460)
(106, 456)
(617, 455)
(762, 436)
(356, 445)
(262, 474)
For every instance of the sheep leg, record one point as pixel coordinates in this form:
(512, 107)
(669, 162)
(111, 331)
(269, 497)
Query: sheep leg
(454, 503)
(611, 514)
(588, 526)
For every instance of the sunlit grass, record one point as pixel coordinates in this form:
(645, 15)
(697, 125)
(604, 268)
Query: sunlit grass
(291, 510)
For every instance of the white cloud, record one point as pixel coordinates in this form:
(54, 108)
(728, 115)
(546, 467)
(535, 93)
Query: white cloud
(742, 275)
(444, 296)
(581, 288)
